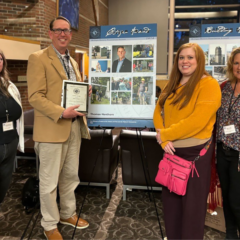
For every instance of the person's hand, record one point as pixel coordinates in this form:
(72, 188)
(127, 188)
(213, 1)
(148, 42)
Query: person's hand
(90, 90)
(70, 112)
(169, 148)
(158, 136)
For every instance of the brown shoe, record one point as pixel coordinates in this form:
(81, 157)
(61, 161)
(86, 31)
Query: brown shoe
(53, 234)
(72, 222)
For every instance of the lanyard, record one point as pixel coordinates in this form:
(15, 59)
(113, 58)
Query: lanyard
(231, 105)
(5, 106)
(65, 67)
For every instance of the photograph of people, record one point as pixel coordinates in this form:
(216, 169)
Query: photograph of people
(101, 66)
(143, 51)
(11, 130)
(143, 91)
(190, 99)
(121, 56)
(101, 52)
(121, 83)
(55, 128)
(101, 94)
(228, 146)
(143, 65)
(98, 67)
(121, 98)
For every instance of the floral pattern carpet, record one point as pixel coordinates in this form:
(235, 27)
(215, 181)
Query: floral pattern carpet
(111, 218)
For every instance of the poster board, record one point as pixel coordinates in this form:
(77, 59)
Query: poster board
(217, 42)
(123, 91)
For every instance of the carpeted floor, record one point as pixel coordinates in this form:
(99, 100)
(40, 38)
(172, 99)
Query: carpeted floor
(109, 218)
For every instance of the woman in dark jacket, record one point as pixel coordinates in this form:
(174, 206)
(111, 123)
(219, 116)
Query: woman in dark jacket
(11, 127)
(228, 146)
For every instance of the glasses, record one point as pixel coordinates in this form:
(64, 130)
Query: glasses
(59, 31)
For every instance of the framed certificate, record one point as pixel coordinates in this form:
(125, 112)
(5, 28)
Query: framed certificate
(75, 93)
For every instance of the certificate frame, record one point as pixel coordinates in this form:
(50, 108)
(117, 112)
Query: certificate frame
(75, 93)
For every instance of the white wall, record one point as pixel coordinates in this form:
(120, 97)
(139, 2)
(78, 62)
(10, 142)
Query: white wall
(123, 12)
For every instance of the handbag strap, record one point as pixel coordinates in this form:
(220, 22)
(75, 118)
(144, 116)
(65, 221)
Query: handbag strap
(202, 153)
(204, 150)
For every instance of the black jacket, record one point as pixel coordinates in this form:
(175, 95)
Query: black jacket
(126, 66)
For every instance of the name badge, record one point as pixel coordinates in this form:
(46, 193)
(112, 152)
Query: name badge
(7, 126)
(229, 129)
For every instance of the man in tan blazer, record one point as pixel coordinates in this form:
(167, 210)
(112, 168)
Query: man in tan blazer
(57, 131)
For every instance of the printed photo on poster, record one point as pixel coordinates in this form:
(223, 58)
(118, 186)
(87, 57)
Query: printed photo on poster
(121, 98)
(70, 10)
(142, 91)
(142, 65)
(121, 58)
(101, 52)
(217, 54)
(102, 66)
(121, 84)
(205, 48)
(143, 51)
(220, 73)
(230, 48)
(100, 94)
(209, 69)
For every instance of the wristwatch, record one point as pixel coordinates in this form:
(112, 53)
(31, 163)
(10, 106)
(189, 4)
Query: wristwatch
(61, 117)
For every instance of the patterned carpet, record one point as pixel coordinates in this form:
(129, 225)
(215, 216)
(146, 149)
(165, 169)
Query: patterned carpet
(109, 219)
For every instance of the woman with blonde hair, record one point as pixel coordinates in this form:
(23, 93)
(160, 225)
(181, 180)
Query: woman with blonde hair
(11, 127)
(184, 118)
(228, 146)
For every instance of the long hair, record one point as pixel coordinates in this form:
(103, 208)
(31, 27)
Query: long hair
(229, 73)
(175, 77)
(4, 76)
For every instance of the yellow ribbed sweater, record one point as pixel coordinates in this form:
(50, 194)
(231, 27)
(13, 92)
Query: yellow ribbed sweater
(196, 120)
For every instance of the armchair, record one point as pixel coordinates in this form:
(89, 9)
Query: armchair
(132, 168)
(107, 159)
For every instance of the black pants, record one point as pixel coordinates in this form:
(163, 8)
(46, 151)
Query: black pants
(227, 166)
(184, 216)
(7, 157)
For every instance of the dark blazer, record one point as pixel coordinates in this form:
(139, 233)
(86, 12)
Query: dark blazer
(126, 66)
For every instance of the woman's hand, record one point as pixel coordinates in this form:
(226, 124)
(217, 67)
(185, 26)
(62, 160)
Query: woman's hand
(158, 136)
(169, 148)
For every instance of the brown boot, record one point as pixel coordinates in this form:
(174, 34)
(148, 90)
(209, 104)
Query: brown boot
(72, 222)
(53, 234)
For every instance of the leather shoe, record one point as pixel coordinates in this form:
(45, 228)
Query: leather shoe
(72, 222)
(53, 234)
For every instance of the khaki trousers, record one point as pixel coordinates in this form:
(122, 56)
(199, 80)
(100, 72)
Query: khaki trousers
(59, 164)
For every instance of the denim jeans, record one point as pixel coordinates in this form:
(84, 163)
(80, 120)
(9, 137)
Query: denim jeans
(7, 157)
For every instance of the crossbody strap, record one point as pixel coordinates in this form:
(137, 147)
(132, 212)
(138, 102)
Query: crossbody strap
(202, 153)
(204, 150)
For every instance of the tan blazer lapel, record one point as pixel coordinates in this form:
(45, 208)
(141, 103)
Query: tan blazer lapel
(57, 63)
(76, 70)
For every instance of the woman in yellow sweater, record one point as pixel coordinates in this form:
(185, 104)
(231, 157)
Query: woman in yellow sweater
(184, 118)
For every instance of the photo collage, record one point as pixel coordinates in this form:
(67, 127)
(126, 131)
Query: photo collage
(216, 57)
(119, 74)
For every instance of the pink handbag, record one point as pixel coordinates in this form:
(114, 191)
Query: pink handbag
(174, 171)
